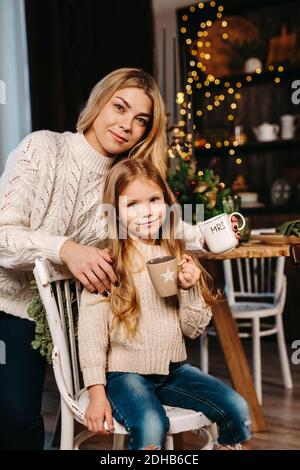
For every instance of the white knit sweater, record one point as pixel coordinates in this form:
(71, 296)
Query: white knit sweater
(51, 191)
(161, 326)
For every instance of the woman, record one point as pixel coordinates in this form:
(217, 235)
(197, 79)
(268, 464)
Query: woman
(50, 207)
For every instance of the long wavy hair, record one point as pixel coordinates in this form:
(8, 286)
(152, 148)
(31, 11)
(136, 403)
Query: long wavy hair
(124, 299)
(153, 146)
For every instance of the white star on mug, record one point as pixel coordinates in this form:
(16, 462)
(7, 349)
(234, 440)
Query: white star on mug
(168, 275)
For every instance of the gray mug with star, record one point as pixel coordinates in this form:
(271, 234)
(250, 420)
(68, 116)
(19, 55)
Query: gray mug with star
(163, 272)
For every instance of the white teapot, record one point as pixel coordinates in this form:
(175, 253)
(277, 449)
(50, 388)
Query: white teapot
(266, 132)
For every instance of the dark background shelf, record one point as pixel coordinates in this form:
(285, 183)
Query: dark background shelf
(249, 147)
(291, 209)
(266, 76)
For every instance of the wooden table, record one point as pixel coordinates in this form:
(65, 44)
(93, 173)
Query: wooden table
(228, 334)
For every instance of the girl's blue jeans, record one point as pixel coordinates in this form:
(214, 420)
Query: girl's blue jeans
(137, 401)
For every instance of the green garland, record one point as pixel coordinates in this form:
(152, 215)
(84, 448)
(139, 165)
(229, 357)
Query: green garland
(190, 188)
(37, 312)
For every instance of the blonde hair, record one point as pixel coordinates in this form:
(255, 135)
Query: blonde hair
(124, 299)
(154, 144)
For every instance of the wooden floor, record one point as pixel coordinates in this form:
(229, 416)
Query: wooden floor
(281, 407)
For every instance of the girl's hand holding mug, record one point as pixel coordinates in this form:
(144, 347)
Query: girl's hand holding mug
(189, 273)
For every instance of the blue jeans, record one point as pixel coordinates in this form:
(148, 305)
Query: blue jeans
(21, 386)
(137, 400)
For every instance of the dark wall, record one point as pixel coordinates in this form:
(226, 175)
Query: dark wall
(72, 44)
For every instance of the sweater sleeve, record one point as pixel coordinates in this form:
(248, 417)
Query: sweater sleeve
(19, 244)
(194, 314)
(191, 235)
(93, 336)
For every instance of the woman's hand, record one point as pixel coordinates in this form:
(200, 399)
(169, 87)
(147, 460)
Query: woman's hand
(189, 274)
(98, 411)
(90, 265)
(234, 224)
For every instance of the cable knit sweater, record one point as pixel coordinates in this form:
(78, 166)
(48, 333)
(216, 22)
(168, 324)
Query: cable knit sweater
(51, 191)
(161, 326)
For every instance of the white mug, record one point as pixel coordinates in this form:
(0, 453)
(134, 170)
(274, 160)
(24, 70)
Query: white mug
(218, 233)
(289, 125)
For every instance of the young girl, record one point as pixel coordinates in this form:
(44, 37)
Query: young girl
(131, 344)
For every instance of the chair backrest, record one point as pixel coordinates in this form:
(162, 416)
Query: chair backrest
(60, 294)
(254, 279)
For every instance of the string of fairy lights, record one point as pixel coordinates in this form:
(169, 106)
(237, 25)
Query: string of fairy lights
(216, 91)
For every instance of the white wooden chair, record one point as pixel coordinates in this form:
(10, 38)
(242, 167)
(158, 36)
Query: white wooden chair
(60, 294)
(256, 290)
